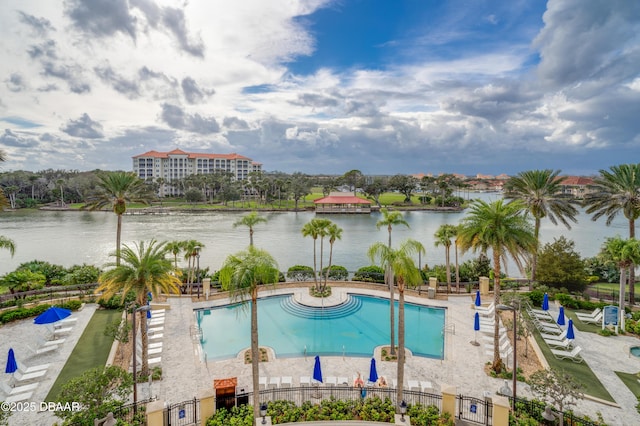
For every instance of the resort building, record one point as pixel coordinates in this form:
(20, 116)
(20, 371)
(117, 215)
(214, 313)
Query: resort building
(577, 186)
(177, 164)
(342, 202)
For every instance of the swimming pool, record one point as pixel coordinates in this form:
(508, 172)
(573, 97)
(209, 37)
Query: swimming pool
(353, 328)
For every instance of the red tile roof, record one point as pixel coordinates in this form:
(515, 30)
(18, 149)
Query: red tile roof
(158, 154)
(576, 180)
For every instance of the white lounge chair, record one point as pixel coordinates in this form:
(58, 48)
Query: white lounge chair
(156, 360)
(155, 345)
(262, 382)
(565, 344)
(426, 385)
(8, 390)
(286, 382)
(52, 342)
(34, 368)
(573, 355)
(58, 331)
(43, 350)
(305, 381)
(592, 315)
(413, 385)
(330, 381)
(65, 322)
(502, 345)
(595, 320)
(343, 381)
(20, 378)
(489, 307)
(561, 336)
(19, 397)
(274, 383)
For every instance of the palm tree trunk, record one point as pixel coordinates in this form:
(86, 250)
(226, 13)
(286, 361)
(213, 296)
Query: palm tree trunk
(144, 372)
(315, 267)
(623, 280)
(326, 276)
(118, 234)
(447, 256)
(321, 253)
(534, 257)
(392, 309)
(632, 268)
(401, 356)
(498, 365)
(251, 236)
(457, 269)
(255, 353)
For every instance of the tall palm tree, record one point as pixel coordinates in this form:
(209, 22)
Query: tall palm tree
(191, 251)
(391, 219)
(115, 190)
(143, 269)
(400, 261)
(242, 274)
(503, 228)
(174, 247)
(541, 193)
(316, 228)
(250, 220)
(5, 242)
(334, 232)
(443, 236)
(613, 192)
(626, 254)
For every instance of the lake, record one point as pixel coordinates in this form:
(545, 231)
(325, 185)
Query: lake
(75, 237)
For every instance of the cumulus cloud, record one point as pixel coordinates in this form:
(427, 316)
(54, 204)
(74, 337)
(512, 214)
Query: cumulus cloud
(176, 118)
(127, 87)
(83, 127)
(40, 26)
(193, 93)
(100, 18)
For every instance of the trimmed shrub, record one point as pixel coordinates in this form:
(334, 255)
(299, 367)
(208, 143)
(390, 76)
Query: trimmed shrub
(300, 273)
(372, 274)
(337, 273)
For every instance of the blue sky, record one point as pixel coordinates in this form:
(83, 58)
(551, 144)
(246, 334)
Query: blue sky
(323, 86)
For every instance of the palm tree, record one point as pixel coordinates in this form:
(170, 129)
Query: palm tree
(400, 261)
(626, 254)
(191, 251)
(7, 243)
(115, 190)
(143, 269)
(334, 232)
(60, 183)
(391, 219)
(541, 193)
(316, 228)
(250, 220)
(174, 247)
(503, 228)
(613, 192)
(443, 236)
(242, 273)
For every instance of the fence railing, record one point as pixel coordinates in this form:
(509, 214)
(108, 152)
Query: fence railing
(535, 409)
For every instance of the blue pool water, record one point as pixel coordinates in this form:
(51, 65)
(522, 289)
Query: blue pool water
(354, 328)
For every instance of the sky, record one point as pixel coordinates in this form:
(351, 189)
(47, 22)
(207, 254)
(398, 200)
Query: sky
(323, 86)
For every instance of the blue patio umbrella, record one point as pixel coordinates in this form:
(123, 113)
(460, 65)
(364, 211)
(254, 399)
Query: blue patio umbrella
(570, 332)
(561, 316)
(476, 327)
(51, 315)
(545, 302)
(478, 302)
(373, 372)
(317, 370)
(12, 365)
(149, 314)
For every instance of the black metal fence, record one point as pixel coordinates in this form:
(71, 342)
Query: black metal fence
(182, 413)
(475, 410)
(534, 409)
(315, 394)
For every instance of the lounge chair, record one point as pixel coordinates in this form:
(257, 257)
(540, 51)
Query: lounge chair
(35, 368)
(573, 355)
(155, 345)
(592, 315)
(286, 382)
(343, 381)
(331, 381)
(262, 382)
(65, 322)
(53, 342)
(413, 385)
(58, 331)
(490, 307)
(560, 336)
(502, 346)
(542, 317)
(156, 336)
(43, 350)
(20, 378)
(426, 385)
(305, 381)
(565, 344)
(19, 397)
(274, 383)
(8, 390)
(595, 320)
(549, 329)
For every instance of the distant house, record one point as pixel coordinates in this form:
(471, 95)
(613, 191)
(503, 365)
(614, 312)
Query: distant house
(342, 202)
(575, 185)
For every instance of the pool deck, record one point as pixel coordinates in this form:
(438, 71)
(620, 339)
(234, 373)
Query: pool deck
(186, 375)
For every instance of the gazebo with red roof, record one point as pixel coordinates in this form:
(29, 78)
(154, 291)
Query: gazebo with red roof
(342, 202)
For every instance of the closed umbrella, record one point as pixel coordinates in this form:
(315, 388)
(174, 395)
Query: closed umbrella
(373, 372)
(317, 370)
(476, 327)
(561, 316)
(545, 302)
(570, 333)
(478, 302)
(12, 365)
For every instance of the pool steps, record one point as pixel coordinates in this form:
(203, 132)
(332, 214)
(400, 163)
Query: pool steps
(346, 308)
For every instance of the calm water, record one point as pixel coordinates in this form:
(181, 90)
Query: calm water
(353, 329)
(73, 237)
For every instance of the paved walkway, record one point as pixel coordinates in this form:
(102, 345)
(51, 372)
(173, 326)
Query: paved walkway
(186, 374)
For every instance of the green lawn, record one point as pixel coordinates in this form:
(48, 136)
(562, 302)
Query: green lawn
(91, 351)
(631, 381)
(580, 371)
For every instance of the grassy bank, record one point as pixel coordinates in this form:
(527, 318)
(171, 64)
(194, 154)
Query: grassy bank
(91, 351)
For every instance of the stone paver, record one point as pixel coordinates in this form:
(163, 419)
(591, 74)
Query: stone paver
(186, 373)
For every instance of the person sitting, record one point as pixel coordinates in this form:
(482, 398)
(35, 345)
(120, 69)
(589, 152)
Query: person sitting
(382, 382)
(358, 382)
